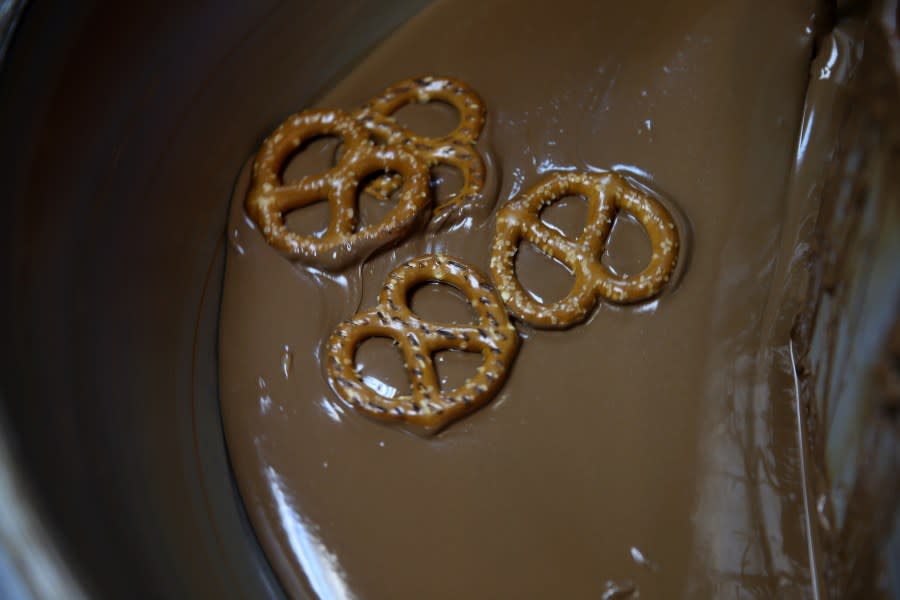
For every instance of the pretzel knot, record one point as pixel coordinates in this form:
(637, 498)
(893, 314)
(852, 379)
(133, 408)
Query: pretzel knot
(428, 407)
(343, 241)
(606, 194)
(456, 149)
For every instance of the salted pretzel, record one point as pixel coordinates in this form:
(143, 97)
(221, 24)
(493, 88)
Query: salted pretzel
(428, 408)
(343, 241)
(606, 194)
(456, 149)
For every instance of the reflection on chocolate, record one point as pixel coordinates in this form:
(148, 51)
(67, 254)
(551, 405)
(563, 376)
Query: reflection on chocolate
(665, 427)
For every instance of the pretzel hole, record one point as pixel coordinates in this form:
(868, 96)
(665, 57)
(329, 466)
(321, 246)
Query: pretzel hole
(313, 157)
(446, 181)
(545, 279)
(628, 247)
(310, 220)
(380, 366)
(435, 118)
(455, 367)
(441, 303)
(378, 193)
(567, 215)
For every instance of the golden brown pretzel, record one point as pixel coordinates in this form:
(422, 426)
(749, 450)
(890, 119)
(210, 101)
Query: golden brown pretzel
(343, 241)
(606, 195)
(456, 149)
(428, 407)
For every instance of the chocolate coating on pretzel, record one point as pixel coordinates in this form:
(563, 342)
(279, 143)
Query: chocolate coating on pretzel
(456, 149)
(344, 241)
(428, 408)
(606, 194)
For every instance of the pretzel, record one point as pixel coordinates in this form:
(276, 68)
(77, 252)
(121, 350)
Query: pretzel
(456, 149)
(606, 195)
(428, 407)
(343, 242)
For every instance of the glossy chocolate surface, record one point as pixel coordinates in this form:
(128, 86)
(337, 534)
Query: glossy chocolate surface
(653, 448)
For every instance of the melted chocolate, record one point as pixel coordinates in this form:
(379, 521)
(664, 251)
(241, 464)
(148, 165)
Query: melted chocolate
(648, 449)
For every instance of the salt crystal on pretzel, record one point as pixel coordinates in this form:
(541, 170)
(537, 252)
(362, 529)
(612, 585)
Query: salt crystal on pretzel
(606, 194)
(428, 408)
(343, 242)
(456, 149)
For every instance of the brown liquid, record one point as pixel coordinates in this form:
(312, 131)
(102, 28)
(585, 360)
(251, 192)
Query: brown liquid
(647, 449)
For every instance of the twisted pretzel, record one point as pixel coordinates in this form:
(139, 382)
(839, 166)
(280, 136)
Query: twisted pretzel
(343, 242)
(428, 406)
(606, 195)
(456, 149)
